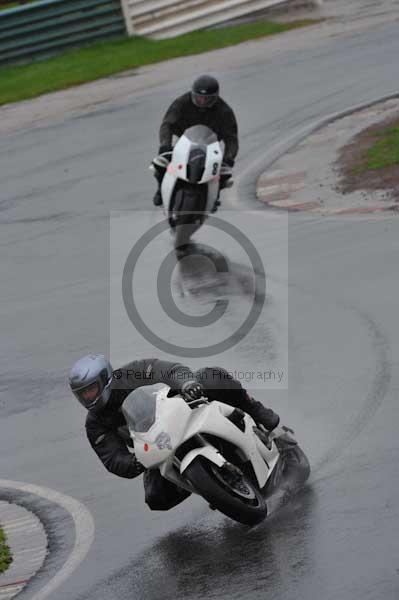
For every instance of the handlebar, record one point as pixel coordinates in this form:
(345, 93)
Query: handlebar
(195, 403)
(162, 160)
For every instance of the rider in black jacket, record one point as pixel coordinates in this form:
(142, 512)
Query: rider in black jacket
(201, 106)
(102, 392)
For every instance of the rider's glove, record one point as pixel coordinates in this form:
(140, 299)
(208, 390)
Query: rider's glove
(285, 428)
(164, 148)
(192, 390)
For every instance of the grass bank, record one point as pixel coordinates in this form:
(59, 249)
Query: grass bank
(5, 556)
(99, 60)
(16, 4)
(385, 151)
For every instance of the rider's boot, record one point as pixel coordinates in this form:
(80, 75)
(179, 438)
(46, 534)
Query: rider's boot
(157, 200)
(215, 206)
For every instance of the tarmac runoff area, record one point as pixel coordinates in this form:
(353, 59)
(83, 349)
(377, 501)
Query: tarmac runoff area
(27, 541)
(306, 177)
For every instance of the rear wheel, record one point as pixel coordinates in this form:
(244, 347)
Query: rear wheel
(227, 489)
(290, 472)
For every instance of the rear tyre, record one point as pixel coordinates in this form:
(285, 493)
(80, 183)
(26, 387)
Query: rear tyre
(230, 491)
(291, 471)
(296, 466)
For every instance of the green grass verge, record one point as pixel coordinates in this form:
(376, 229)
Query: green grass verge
(5, 556)
(101, 59)
(7, 5)
(385, 151)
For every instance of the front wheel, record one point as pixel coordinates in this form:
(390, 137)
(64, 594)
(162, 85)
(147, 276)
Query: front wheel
(188, 213)
(227, 489)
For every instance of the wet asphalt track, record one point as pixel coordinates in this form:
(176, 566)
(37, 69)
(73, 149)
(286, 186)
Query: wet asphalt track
(339, 539)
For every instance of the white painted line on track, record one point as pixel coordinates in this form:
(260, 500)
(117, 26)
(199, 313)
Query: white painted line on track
(84, 531)
(36, 549)
(22, 520)
(10, 591)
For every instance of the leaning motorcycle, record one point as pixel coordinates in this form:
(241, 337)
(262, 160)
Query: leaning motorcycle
(191, 184)
(214, 450)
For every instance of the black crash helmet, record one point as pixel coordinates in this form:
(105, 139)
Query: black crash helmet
(205, 91)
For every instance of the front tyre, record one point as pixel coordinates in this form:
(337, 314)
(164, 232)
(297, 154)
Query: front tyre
(228, 490)
(188, 213)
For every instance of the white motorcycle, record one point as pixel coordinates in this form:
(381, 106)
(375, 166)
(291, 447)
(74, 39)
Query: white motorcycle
(190, 186)
(214, 450)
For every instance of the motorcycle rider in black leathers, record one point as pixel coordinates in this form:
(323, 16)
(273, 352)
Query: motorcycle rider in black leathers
(102, 392)
(201, 106)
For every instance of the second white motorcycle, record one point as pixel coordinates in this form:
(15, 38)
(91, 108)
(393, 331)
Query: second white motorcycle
(191, 184)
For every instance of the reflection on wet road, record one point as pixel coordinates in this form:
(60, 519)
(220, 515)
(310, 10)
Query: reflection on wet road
(206, 273)
(215, 300)
(217, 558)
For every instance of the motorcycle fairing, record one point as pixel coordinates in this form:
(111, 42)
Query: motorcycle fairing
(194, 138)
(175, 422)
(211, 419)
(171, 419)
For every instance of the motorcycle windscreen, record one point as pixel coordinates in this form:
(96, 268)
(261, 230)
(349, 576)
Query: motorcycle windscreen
(196, 164)
(201, 135)
(139, 408)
